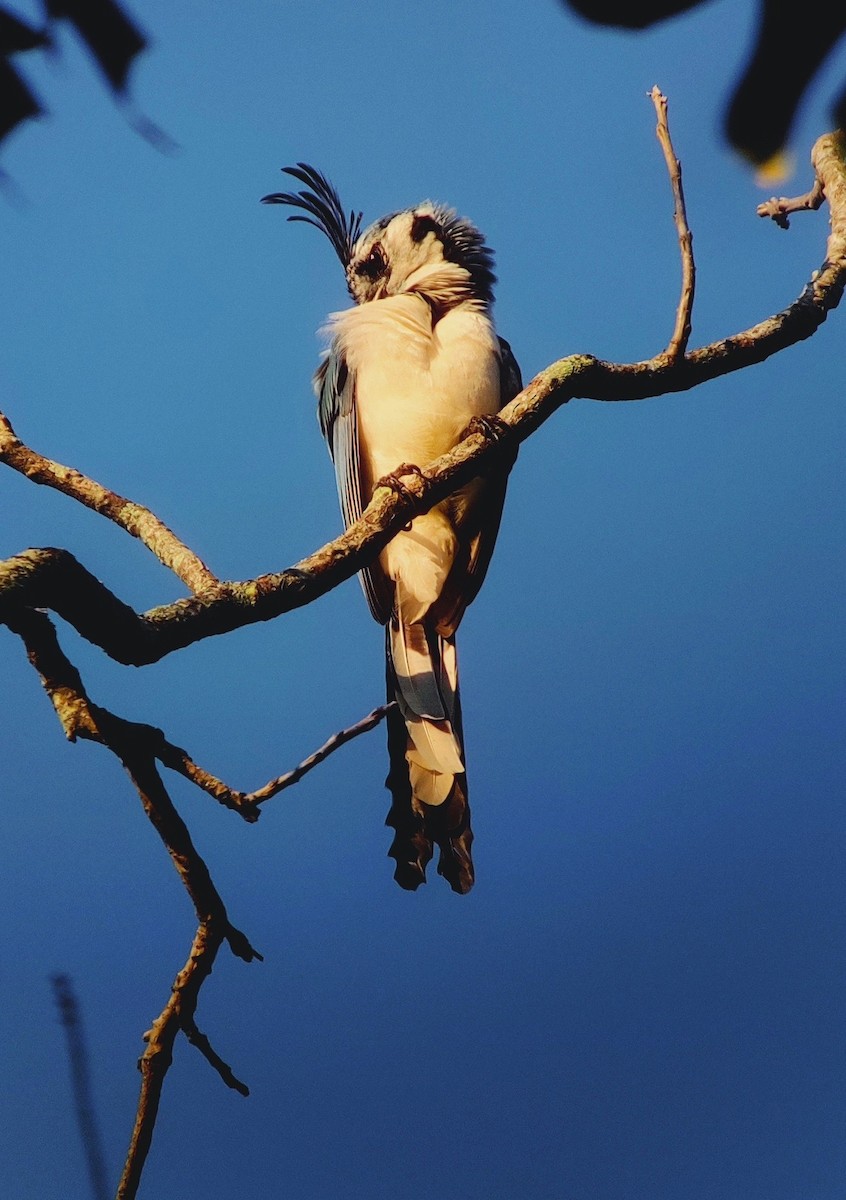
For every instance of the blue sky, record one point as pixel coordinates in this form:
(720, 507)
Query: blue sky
(641, 999)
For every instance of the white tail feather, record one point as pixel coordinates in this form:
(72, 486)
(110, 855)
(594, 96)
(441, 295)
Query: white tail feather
(415, 672)
(426, 689)
(433, 743)
(429, 787)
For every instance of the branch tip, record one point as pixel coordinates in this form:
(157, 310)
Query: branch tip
(681, 332)
(201, 1042)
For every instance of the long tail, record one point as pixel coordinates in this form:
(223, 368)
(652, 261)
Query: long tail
(427, 778)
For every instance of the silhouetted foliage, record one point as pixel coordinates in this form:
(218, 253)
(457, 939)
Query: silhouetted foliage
(112, 38)
(790, 47)
(792, 41)
(17, 101)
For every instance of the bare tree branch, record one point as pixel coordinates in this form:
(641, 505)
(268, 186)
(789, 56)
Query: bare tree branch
(137, 747)
(246, 803)
(53, 579)
(778, 207)
(158, 1055)
(134, 518)
(80, 717)
(214, 928)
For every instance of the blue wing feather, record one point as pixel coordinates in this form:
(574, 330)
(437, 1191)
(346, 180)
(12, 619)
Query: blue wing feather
(336, 413)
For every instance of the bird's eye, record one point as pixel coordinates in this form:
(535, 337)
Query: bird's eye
(374, 265)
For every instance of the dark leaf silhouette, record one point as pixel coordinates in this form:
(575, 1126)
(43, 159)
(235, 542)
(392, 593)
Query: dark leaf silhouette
(15, 36)
(791, 45)
(111, 37)
(107, 31)
(633, 15)
(17, 101)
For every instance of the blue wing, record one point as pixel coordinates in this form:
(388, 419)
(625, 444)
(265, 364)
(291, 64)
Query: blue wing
(335, 384)
(510, 385)
(479, 532)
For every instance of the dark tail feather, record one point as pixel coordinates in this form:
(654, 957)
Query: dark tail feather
(449, 826)
(411, 847)
(419, 827)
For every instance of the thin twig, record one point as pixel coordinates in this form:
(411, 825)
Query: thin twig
(247, 803)
(778, 207)
(329, 747)
(200, 1042)
(681, 332)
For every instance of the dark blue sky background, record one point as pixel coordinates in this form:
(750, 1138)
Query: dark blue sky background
(642, 999)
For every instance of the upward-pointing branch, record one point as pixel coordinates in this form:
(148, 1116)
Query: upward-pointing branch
(54, 579)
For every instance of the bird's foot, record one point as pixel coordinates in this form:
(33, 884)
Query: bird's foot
(394, 481)
(489, 424)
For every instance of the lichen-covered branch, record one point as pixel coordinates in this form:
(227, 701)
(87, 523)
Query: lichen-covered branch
(134, 518)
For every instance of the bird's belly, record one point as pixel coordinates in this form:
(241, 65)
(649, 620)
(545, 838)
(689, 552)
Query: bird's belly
(410, 409)
(416, 389)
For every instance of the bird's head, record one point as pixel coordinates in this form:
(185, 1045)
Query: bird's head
(428, 249)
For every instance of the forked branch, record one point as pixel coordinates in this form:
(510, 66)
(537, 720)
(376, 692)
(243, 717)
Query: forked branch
(52, 579)
(137, 748)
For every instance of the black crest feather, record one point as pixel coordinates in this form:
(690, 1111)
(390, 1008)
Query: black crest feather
(323, 204)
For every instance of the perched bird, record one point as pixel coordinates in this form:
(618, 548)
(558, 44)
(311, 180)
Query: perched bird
(409, 367)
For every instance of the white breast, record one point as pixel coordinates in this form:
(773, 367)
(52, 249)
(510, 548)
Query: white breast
(416, 389)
